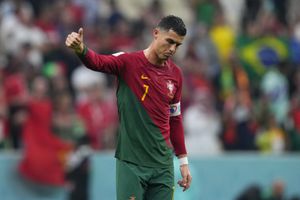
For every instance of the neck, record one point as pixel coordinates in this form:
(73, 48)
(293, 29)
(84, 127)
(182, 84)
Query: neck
(152, 57)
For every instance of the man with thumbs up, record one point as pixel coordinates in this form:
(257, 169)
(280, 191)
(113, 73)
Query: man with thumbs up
(149, 94)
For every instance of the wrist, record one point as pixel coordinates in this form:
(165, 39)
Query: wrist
(183, 161)
(81, 50)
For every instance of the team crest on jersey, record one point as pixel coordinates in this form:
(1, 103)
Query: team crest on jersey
(171, 87)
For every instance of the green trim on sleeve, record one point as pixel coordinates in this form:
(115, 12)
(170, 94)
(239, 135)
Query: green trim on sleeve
(85, 49)
(83, 53)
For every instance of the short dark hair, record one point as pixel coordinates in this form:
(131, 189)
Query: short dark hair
(174, 23)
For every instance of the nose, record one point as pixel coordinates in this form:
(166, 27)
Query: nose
(173, 48)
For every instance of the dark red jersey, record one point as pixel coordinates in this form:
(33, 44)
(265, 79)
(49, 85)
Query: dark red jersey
(148, 99)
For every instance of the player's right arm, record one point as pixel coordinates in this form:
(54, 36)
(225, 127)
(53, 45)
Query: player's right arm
(104, 63)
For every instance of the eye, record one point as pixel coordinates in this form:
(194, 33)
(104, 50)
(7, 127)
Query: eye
(170, 41)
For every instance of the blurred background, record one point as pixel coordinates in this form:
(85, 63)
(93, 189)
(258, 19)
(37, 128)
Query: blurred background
(241, 96)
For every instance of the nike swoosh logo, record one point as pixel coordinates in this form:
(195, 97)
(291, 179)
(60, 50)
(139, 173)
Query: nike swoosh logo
(144, 77)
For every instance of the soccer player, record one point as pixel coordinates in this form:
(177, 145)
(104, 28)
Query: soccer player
(148, 98)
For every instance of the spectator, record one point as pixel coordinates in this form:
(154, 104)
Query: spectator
(294, 129)
(18, 29)
(202, 125)
(241, 128)
(44, 153)
(96, 108)
(222, 36)
(67, 125)
(274, 86)
(272, 138)
(16, 96)
(277, 191)
(295, 102)
(295, 198)
(3, 113)
(253, 192)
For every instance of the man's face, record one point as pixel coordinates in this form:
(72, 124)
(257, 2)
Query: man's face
(166, 43)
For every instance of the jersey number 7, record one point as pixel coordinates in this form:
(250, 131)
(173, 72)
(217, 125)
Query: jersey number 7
(146, 91)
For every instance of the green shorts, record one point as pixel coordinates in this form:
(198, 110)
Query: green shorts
(144, 183)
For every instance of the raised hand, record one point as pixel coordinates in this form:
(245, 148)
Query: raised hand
(75, 41)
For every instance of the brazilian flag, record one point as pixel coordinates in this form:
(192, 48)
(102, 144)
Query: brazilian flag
(257, 55)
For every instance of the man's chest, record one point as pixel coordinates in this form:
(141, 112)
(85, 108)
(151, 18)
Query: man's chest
(149, 83)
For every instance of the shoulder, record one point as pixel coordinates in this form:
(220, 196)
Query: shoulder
(123, 54)
(119, 54)
(127, 56)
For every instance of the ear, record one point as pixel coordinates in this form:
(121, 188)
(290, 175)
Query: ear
(155, 33)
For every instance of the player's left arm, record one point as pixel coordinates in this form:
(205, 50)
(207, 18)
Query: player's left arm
(177, 138)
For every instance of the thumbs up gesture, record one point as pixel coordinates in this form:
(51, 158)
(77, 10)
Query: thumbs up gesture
(75, 41)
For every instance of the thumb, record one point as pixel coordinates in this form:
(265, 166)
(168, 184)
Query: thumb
(80, 32)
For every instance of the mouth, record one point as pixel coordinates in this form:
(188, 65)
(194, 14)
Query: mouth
(167, 55)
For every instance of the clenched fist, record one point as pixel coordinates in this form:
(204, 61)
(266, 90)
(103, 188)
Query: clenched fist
(75, 41)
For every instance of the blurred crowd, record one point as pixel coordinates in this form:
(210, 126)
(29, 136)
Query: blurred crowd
(277, 191)
(240, 61)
